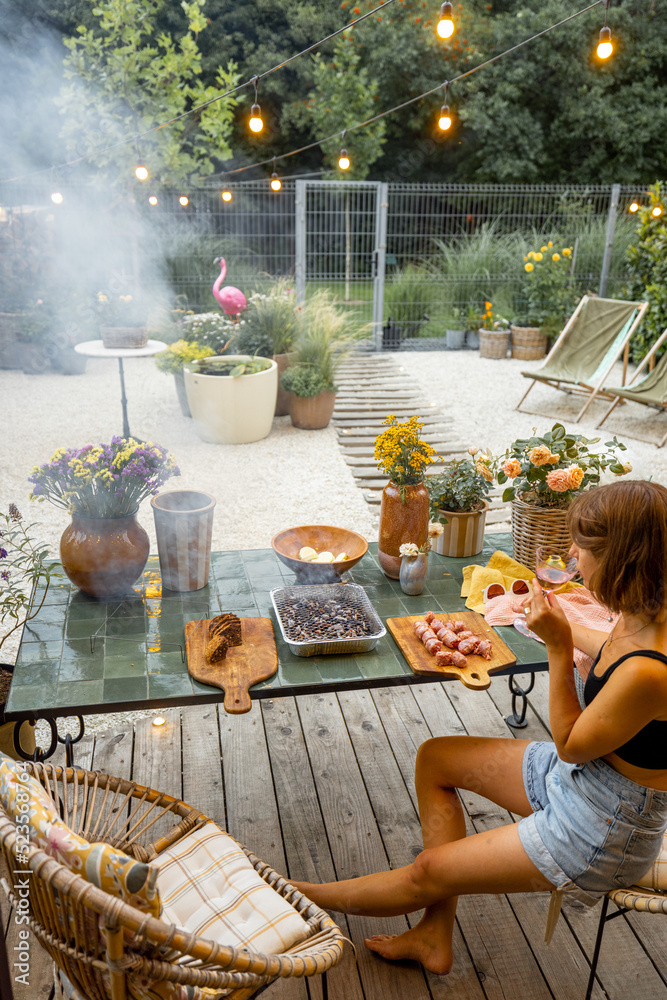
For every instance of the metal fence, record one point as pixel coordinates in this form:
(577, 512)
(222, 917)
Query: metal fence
(413, 259)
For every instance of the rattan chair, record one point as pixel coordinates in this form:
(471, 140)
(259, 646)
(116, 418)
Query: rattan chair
(634, 898)
(96, 940)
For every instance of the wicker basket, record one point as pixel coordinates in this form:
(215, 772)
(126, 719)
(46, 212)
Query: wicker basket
(533, 526)
(493, 343)
(528, 343)
(124, 336)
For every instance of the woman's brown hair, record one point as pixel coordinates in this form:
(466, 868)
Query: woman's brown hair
(624, 525)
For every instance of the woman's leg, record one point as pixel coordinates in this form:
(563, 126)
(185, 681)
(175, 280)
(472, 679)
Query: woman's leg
(450, 864)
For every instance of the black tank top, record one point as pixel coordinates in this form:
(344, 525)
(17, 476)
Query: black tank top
(648, 747)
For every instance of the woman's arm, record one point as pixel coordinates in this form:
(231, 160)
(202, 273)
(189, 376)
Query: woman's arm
(587, 639)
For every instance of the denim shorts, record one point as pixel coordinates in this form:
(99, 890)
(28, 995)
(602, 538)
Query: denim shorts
(591, 827)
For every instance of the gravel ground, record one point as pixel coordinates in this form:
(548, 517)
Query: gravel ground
(292, 477)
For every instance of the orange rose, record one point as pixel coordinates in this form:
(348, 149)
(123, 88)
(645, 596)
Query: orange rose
(554, 460)
(485, 472)
(558, 481)
(539, 455)
(574, 476)
(511, 468)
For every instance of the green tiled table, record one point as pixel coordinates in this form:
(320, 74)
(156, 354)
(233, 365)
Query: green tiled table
(82, 656)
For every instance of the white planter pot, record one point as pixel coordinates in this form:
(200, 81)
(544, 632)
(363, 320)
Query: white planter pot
(463, 534)
(230, 410)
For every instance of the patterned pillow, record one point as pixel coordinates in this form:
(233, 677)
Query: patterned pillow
(656, 876)
(26, 802)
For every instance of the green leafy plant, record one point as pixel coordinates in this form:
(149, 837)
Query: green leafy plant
(304, 381)
(178, 354)
(548, 294)
(328, 334)
(409, 297)
(211, 330)
(25, 573)
(646, 266)
(243, 365)
(549, 471)
(462, 486)
(270, 323)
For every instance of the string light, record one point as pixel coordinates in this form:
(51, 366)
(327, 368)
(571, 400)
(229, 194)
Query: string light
(445, 119)
(633, 206)
(152, 200)
(226, 195)
(343, 159)
(276, 183)
(605, 47)
(184, 200)
(445, 26)
(656, 211)
(141, 171)
(255, 123)
(57, 198)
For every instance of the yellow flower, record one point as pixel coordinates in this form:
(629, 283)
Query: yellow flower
(511, 468)
(484, 472)
(531, 253)
(544, 249)
(101, 297)
(529, 267)
(627, 467)
(555, 256)
(539, 455)
(525, 258)
(538, 256)
(575, 474)
(550, 244)
(567, 251)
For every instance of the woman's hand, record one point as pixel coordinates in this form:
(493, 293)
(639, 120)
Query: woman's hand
(545, 617)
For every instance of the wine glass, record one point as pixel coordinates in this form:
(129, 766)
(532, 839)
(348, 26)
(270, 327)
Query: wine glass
(555, 566)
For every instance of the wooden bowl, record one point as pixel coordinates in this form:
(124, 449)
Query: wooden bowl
(323, 538)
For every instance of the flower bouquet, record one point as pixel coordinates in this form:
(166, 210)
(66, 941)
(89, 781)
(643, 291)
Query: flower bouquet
(546, 473)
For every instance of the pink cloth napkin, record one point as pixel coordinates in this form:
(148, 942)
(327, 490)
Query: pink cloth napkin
(579, 607)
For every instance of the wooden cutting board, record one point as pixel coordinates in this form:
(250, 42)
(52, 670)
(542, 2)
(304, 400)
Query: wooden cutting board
(476, 673)
(253, 661)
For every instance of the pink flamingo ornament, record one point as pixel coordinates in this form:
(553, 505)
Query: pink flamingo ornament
(231, 300)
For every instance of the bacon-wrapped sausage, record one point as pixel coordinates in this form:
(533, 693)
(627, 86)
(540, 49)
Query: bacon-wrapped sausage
(458, 626)
(420, 621)
(484, 649)
(428, 617)
(441, 632)
(450, 639)
(427, 634)
(444, 658)
(458, 659)
(469, 645)
(449, 625)
(421, 627)
(433, 646)
(465, 634)
(436, 624)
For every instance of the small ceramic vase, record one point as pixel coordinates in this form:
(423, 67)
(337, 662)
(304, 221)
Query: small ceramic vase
(412, 574)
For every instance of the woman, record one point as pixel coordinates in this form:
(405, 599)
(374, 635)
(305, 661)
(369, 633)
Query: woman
(594, 801)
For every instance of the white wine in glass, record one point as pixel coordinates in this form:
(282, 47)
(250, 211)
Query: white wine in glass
(555, 566)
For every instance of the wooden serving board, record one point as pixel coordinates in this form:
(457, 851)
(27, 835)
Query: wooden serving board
(253, 661)
(476, 674)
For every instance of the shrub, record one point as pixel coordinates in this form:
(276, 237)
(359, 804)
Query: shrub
(304, 380)
(646, 265)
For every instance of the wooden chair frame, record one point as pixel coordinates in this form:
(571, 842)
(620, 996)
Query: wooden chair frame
(97, 940)
(647, 360)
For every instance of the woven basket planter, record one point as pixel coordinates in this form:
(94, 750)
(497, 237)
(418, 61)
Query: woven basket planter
(124, 336)
(493, 343)
(528, 343)
(533, 526)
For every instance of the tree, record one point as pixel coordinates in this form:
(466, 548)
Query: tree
(646, 264)
(125, 78)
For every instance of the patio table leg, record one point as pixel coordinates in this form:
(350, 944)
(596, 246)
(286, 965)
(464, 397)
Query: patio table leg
(518, 720)
(40, 754)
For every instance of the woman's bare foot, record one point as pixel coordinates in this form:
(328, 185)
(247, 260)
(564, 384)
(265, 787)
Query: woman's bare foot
(425, 943)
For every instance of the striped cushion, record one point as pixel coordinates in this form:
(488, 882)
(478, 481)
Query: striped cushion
(656, 876)
(208, 886)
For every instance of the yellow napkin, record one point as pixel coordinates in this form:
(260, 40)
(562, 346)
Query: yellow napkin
(500, 568)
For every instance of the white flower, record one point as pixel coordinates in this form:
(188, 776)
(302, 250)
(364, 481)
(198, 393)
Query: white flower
(435, 529)
(472, 450)
(409, 549)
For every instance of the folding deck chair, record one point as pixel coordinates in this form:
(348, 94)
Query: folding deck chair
(650, 390)
(594, 338)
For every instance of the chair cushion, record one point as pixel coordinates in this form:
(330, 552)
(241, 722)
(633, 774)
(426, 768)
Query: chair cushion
(656, 876)
(208, 886)
(26, 802)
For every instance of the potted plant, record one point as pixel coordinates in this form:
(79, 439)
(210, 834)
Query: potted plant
(104, 549)
(546, 473)
(232, 398)
(473, 321)
(270, 328)
(328, 334)
(548, 298)
(494, 334)
(171, 362)
(455, 334)
(458, 501)
(123, 320)
(408, 299)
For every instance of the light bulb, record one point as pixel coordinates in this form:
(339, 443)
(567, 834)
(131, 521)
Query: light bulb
(445, 119)
(656, 211)
(57, 198)
(605, 48)
(184, 200)
(141, 171)
(344, 160)
(159, 720)
(152, 199)
(226, 195)
(276, 183)
(255, 123)
(633, 207)
(445, 26)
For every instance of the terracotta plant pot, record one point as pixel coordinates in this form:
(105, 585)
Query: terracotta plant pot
(463, 535)
(183, 527)
(401, 522)
(283, 362)
(312, 413)
(104, 556)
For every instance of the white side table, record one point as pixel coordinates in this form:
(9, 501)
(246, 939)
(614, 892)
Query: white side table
(96, 349)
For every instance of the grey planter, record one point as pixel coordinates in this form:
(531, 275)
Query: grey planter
(455, 340)
(472, 339)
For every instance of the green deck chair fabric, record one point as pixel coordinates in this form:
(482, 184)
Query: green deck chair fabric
(581, 357)
(652, 389)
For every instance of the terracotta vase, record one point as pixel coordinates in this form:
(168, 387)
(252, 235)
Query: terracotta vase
(312, 413)
(401, 521)
(412, 574)
(282, 402)
(104, 556)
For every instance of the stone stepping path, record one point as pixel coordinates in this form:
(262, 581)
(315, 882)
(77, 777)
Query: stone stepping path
(371, 387)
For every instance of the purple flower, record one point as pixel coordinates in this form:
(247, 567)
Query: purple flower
(3, 553)
(4, 575)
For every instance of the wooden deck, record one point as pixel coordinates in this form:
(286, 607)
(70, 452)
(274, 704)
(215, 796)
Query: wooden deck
(322, 787)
